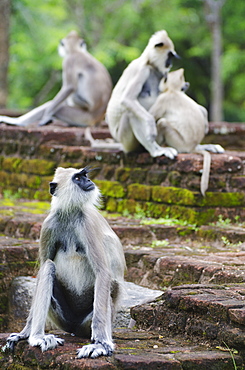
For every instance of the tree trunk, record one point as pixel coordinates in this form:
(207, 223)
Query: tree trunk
(213, 18)
(4, 50)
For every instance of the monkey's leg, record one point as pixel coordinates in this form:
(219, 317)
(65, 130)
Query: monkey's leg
(34, 328)
(75, 116)
(40, 307)
(132, 129)
(172, 136)
(26, 119)
(101, 321)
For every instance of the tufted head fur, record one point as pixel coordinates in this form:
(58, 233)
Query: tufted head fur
(160, 51)
(71, 188)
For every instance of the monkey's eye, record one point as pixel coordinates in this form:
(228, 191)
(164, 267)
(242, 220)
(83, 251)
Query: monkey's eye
(161, 44)
(78, 176)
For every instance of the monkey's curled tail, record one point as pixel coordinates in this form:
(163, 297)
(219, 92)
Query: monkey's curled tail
(205, 171)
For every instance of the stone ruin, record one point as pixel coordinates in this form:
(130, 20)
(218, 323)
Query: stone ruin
(195, 269)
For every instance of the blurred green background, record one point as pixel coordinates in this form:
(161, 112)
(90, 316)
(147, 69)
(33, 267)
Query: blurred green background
(117, 31)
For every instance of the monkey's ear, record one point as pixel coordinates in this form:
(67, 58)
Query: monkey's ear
(159, 45)
(52, 187)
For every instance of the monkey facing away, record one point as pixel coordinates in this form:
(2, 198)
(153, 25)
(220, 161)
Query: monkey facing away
(127, 114)
(85, 92)
(181, 122)
(81, 269)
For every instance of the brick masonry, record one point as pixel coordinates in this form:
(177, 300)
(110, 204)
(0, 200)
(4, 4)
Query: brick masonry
(129, 183)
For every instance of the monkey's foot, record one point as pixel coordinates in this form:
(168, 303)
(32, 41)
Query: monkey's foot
(214, 148)
(12, 340)
(46, 342)
(167, 151)
(10, 121)
(96, 350)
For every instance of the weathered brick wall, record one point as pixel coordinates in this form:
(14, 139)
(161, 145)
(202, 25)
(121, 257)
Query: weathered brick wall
(17, 258)
(129, 184)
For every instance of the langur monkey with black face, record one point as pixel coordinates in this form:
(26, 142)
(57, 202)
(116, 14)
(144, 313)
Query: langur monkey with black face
(181, 122)
(81, 273)
(127, 114)
(85, 92)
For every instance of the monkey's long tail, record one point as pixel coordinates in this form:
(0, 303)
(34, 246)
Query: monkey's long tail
(205, 171)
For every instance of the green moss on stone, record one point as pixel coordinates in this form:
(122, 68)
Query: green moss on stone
(128, 205)
(110, 188)
(111, 205)
(40, 206)
(11, 164)
(156, 210)
(41, 195)
(34, 182)
(171, 195)
(3, 178)
(7, 203)
(217, 199)
(139, 192)
(192, 215)
(185, 231)
(179, 196)
(38, 166)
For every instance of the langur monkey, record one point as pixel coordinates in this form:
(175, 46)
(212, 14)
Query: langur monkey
(127, 114)
(81, 269)
(181, 122)
(85, 92)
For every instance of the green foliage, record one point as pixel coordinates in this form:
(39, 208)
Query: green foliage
(227, 243)
(160, 243)
(221, 222)
(116, 32)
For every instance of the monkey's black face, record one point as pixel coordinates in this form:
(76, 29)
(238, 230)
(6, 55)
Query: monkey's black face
(185, 87)
(169, 60)
(81, 179)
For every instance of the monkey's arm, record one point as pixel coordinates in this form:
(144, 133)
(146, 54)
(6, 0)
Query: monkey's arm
(54, 104)
(132, 91)
(47, 247)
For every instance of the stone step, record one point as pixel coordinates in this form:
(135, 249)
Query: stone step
(229, 135)
(192, 322)
(134, 350)
(22, 218)
(213, 313)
